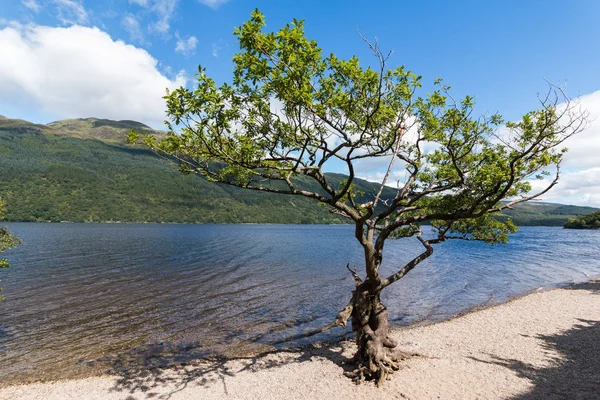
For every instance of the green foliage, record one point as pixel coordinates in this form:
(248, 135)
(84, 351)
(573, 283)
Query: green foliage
(543, 214)
(51, 176)
(486, 228)
(590, 221)
(329, 88)
(290, 109)
(48, 177)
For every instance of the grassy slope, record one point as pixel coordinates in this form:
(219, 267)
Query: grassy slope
(81, 170)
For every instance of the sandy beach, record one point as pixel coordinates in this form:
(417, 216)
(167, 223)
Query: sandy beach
(542, 346)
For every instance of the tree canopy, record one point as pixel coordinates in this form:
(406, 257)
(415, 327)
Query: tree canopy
(333, 109)
(291, 111)
(590, 221)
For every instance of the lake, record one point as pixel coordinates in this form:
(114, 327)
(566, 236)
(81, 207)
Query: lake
(88, 298)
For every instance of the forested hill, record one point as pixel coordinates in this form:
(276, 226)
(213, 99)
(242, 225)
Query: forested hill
(82, 170)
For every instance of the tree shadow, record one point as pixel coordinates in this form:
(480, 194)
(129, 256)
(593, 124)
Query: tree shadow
(574, 372)
(592, 286)
(158, 371)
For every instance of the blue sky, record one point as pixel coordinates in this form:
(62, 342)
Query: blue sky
(114, 59)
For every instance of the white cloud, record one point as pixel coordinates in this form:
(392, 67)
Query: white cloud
(132, 26)
(579, 187)
(579, 182)
(584, 147)
(187, 46)
(374, 168)
(396, 178)
(575, 181)
(218, 46)
(213, 3)
(164, 9)
(71, 12)
(33, 5)
(81, 72)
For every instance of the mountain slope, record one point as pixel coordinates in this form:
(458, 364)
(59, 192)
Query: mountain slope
(82, 170)
(544, 214)
(102, 129)
(63, 172)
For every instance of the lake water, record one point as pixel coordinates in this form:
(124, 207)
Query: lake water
(82, 298)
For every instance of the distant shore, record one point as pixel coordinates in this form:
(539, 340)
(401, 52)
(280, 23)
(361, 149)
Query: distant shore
(343, 222)
(543, 345)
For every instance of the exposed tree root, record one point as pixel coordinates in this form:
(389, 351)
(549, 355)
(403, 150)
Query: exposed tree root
(377, 357)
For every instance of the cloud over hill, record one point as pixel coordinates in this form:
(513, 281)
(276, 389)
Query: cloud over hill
(81, 71)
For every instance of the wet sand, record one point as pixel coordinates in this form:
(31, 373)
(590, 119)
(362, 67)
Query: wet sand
(542, 346)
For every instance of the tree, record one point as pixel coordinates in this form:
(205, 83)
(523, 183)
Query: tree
(590, 221)
(290, 112)
(6, 240)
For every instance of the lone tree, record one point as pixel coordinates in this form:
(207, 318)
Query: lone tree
(6, 240)
(334, 111)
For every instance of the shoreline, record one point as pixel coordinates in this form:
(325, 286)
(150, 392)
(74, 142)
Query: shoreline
(239, 223)
(540, 345)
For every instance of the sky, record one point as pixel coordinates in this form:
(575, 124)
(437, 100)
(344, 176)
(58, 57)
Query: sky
(115, 58)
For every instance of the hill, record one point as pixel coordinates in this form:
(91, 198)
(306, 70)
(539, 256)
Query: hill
(544, 214)
(102, 129)
(82, 170)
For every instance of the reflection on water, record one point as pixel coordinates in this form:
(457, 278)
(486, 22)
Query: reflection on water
(80, 296)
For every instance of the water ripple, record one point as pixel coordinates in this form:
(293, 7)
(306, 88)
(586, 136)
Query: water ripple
(77, 293)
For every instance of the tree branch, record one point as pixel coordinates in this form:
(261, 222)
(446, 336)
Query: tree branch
(414, 262)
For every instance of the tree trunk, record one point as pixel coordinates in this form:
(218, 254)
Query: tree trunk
(376, 357)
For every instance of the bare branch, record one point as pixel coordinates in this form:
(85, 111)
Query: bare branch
(414, 262)
(340, 320)
(357, 279)
(400, 135)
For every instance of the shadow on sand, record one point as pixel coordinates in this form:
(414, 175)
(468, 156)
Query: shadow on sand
(158, 371)
(575, 371)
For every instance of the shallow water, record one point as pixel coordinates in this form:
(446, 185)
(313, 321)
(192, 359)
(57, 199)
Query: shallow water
(87, 298)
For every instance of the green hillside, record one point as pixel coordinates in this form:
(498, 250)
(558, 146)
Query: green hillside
(101, 129)
(82, 170)
(544, 214)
